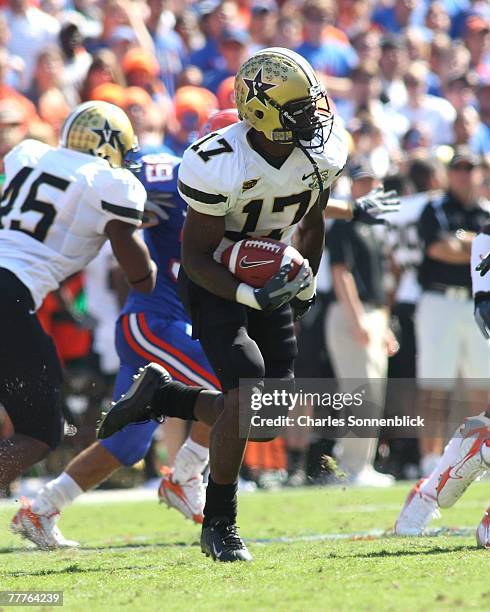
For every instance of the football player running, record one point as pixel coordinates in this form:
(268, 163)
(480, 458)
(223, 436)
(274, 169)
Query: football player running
(58, 207)
(267, 176)
(151, 327)
(466, 457)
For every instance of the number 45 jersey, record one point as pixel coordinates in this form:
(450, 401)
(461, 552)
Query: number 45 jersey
(222, 175)
(54, 209)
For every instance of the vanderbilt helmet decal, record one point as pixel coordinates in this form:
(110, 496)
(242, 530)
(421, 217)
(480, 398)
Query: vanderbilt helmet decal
(257, 87)
(100, 129)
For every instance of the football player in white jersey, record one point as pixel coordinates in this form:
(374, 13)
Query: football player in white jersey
(466, 457)
(59, 205)
(267, 176)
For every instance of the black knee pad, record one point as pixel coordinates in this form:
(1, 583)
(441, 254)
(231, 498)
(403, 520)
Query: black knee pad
(246, 360)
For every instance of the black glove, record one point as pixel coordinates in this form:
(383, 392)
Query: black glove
(484, 266)
(301, 307)
(482, 317)
(377, 202)
(279, 290)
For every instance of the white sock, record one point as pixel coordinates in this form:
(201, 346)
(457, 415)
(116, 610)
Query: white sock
(201, 452)
(449, 455)
(190, 461)
(56, 495)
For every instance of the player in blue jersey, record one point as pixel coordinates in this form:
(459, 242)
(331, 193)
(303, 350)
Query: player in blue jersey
(152, 327)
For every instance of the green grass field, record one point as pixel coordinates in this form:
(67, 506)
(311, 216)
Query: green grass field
(141, 556)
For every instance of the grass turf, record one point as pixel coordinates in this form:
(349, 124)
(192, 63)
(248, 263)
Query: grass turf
(139, 556)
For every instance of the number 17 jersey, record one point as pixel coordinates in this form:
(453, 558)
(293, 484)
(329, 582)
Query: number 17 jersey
(54, 209)
(223, 175)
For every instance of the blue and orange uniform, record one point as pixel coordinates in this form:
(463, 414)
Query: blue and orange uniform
(155, 327)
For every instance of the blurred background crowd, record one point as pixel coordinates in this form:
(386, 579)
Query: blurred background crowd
(411, 81)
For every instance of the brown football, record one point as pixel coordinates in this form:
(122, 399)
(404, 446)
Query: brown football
(255, 260)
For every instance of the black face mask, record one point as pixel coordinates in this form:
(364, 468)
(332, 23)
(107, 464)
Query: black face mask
(307, 123)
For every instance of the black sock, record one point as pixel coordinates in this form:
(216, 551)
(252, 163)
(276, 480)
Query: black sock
(221, 500)
(174, 399)
(296, 460)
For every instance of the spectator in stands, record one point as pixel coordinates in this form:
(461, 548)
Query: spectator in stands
(141, 69)
(326, 48)
(481, 140)
(447, 227)
(396, 15)
(147, 119)
(23, 105)
(104, 69)
(358, 334)
(193, 105)
(424, 109)
(234, 49)
(437, 18)
(31, 30)
(47, 90)
(477, 40)
(15, 68)
(392, 63)
(215, 16)
(288, 32)
(226, 93)
(170, 46)
(353, 17)
(465, 126)
(262, 27)
(367, 46)
(459, 90)
(365, 98)
(76, 61)
(109, 92)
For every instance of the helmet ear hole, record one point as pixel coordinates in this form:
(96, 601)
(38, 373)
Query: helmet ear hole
(259, 114)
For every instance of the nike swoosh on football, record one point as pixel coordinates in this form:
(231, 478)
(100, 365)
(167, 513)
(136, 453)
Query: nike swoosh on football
(253, 264)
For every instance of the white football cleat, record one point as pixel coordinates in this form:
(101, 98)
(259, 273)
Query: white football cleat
(188, 498)
(417, 512)
(483, 531)
(39, 528)
(472, 461)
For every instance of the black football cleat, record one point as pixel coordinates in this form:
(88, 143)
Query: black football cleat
(135, 405)
(220, 540)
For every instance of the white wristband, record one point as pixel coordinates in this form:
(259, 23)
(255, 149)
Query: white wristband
(245, 295)
(309, 292)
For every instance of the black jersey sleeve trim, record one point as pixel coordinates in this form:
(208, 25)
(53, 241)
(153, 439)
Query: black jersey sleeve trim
(201, 196)
(122, 211)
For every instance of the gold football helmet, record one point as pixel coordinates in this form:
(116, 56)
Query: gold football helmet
(278, 93)
(101, 129)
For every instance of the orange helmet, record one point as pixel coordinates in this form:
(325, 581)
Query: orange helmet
(218, 120)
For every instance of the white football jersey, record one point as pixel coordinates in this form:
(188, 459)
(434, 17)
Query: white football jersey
(54, 209)
(405, 246)
(222, 175)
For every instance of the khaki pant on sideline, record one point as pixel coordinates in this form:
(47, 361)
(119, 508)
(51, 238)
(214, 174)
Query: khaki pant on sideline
(350, 360)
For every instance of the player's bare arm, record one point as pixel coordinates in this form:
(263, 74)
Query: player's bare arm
(201, 236)
(310, 236)
(132, 254)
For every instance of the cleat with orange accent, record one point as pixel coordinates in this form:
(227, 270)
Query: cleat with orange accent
(483, 531)
(417, 512)
(39, 528)
(472, 462)
(188, 498)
